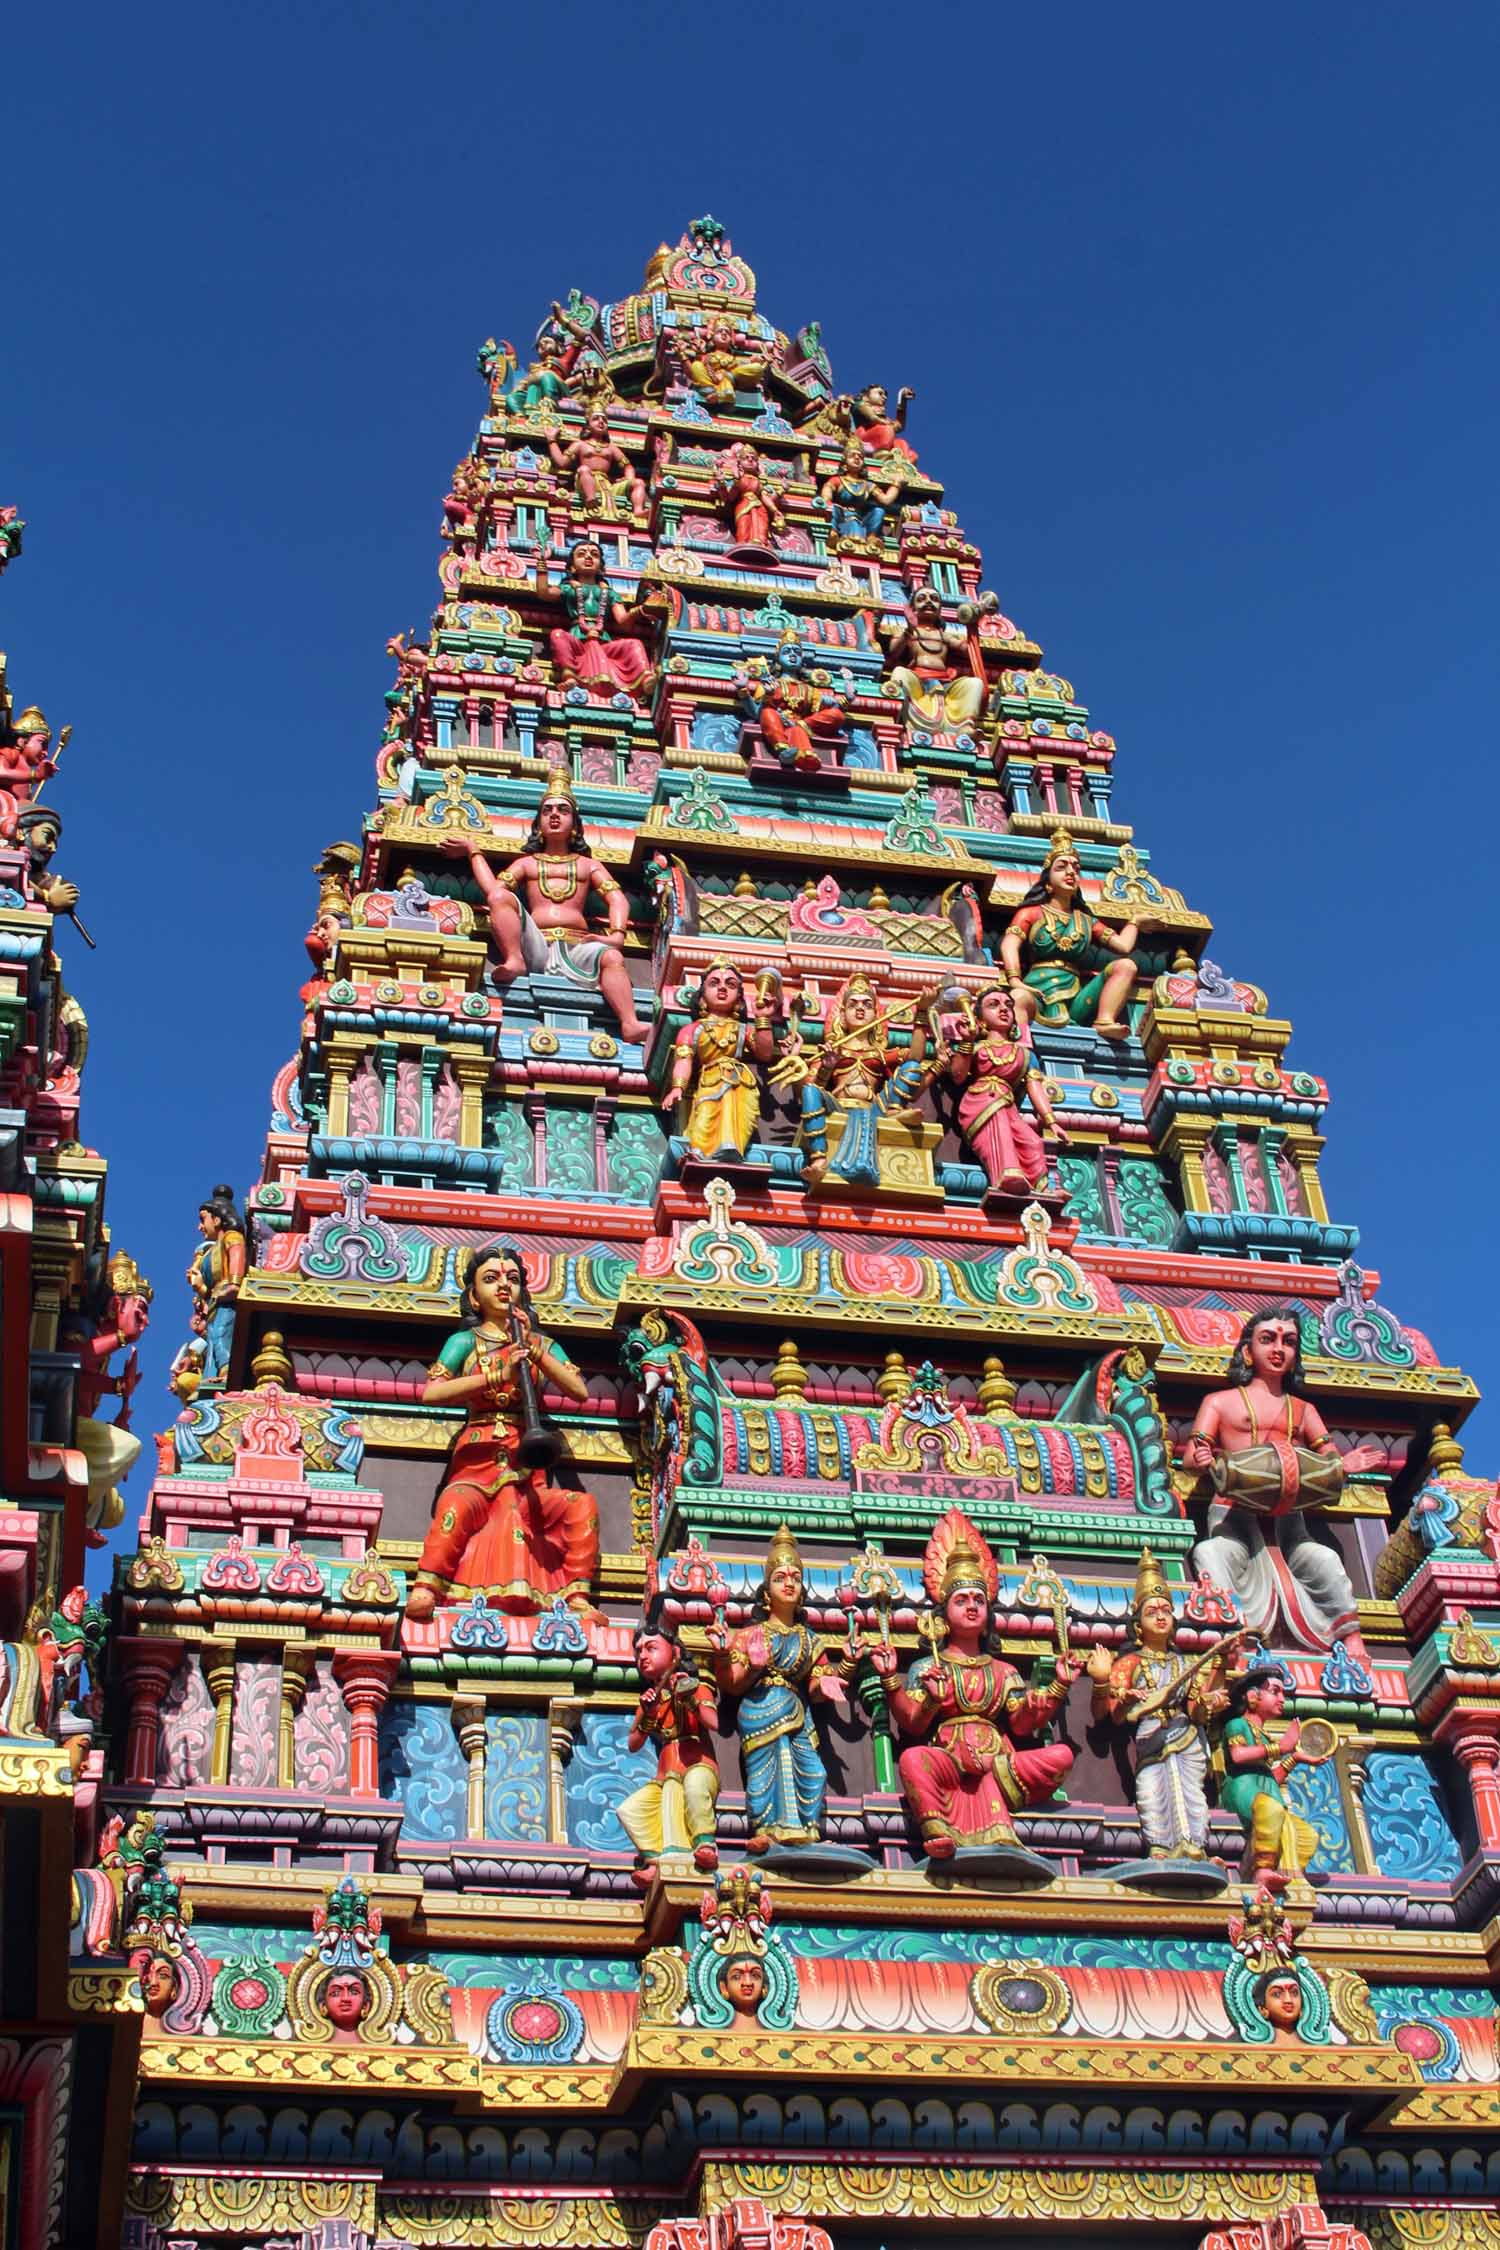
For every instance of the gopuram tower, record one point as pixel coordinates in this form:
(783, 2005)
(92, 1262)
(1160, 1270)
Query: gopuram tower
(800, 1596)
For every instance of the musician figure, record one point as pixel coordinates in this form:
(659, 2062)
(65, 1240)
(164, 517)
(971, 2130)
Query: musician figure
(1168, 1700)
(498, 1526)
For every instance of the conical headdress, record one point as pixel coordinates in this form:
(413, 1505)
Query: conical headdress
(958, 1555)
(1149, 1582)
(1062, 846)
(783, 1549)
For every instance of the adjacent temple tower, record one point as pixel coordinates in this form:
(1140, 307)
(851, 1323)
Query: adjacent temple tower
(72, 1307)
(800, 1592)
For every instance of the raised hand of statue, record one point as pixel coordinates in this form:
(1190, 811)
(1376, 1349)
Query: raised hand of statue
(938, 1687)
(1287, 1747)
(1067, 1668)
(1361, 1457)
(454, 847)
(1198, 1453)
(1100, 1665)
(883, 1657)
(905, 395)
(830, 1688)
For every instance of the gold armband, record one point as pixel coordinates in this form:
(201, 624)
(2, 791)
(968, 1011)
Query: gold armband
(606, 885)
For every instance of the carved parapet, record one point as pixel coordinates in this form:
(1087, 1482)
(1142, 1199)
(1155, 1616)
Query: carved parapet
(1301, 2226)
(744, 2224)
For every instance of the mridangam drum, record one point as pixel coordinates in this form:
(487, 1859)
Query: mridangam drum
(1278, 1479)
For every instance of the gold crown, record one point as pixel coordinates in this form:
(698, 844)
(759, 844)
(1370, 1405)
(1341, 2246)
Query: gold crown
(1149, 1582)
(964, 1567)
(1062, 846)
(126, 1278)
(559, 783)
(783, 1551)
(31, 721)
(859, 982)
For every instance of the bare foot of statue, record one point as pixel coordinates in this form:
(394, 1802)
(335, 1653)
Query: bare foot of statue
(940, 1847)
(1113, 1030)
(420, 1604)
(706, 1857)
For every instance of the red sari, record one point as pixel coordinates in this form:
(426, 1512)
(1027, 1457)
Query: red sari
(497, 1528)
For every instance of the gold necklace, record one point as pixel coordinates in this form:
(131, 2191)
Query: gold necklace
(545, 882)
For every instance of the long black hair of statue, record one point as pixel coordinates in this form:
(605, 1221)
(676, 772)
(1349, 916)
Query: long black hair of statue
(1240, 1370)
(511, 1257)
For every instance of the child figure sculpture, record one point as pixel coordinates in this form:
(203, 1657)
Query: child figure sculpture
(676, 1712)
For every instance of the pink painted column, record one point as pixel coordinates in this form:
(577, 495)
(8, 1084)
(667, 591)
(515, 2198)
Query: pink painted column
(1478, 1752)
(364, 1677)
(148, 1667)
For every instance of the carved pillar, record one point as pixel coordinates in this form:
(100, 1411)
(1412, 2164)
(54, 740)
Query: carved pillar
(1226, 1139)
(1184, 1142)
(297, 1667)
(471, 1067)
(1019, 777)
(1350, 1766)
(148, 1667)
(534, 1110)
(343, 1061)
(217, 1658)
(365, 1677)
(1304, 1148)
(604, 1116)
(431, 1062)
(1478, 1752)
(1272, 1140)
(469, 1724)
(386, 1057)
(562, 1726)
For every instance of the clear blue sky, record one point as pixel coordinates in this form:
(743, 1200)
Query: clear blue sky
(1200, 310)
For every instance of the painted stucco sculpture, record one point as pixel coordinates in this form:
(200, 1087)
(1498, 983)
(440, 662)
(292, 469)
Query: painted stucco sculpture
(791, 1278)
